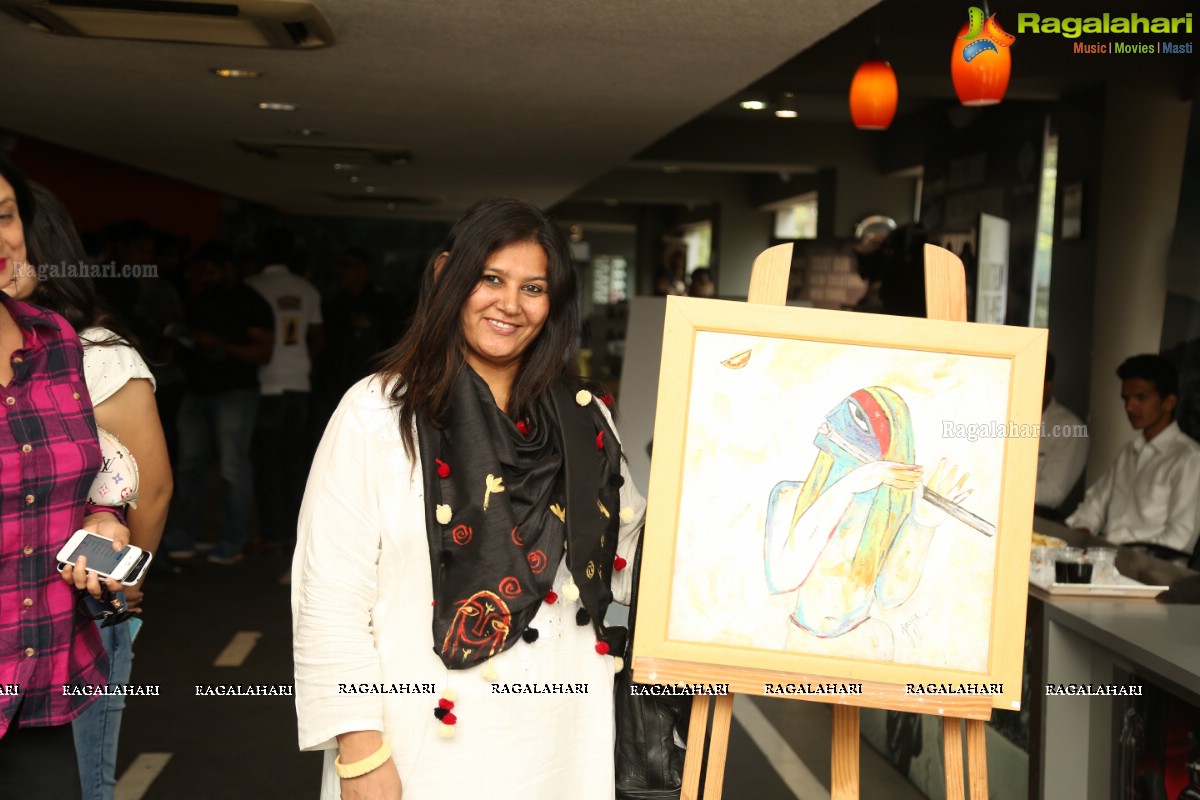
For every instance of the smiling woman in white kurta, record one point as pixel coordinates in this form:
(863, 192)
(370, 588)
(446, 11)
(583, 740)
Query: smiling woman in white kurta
(507, 692)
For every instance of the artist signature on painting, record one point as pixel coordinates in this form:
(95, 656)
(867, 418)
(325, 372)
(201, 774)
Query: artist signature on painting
(912, 629)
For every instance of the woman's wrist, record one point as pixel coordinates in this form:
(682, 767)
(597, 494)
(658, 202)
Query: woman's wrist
(92, 510)
(359, 767)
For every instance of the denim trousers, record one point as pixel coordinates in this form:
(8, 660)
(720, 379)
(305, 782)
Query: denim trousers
(97, 729)
(226, 419)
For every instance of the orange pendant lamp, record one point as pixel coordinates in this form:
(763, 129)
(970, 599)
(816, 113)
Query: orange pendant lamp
(873, 95)
(980, 61)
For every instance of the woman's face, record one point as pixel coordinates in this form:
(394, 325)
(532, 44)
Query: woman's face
(12, 239)
(508, 309)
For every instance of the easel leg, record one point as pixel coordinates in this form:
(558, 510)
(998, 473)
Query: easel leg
(694, 758)
(718, 747)
(977, 759)
(952, 757)
(844, 777)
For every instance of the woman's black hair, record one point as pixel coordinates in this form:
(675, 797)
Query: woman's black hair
(16, 179)
(423, 365)
(54, 249)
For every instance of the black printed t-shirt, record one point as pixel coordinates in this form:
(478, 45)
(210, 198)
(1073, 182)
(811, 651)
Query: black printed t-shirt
(229, 313)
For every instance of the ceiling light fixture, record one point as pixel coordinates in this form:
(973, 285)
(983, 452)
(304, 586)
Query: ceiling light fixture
(276, 107)
(753, 105)
(874, 92)
(787, 107)
(305, 132)
(236, 73)
(980, 61)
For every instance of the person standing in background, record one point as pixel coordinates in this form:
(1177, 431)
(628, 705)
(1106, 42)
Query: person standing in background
(229, 334)
(702, 283)
(361, 321)
(1062, 451)
(280, 451)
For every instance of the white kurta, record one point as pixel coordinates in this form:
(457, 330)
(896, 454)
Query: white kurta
(362, 614)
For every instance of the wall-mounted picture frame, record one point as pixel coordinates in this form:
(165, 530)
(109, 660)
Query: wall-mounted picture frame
(847, 497)
(1072, 211)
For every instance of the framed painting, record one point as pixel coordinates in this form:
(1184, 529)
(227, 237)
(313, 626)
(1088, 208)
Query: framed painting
(846, 498)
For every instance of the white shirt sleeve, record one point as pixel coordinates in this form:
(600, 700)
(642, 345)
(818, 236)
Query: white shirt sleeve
(335, 574)
(1064, 459)
(1093, 511)
(1183, 505)
(108, 367)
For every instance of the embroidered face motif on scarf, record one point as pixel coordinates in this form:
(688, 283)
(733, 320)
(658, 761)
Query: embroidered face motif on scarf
(482, 622)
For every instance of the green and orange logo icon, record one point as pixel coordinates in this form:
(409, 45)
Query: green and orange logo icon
(984, 34)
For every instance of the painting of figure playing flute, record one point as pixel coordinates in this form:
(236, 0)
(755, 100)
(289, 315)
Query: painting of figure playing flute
(838, 495)
(856, 526)
(864, 496)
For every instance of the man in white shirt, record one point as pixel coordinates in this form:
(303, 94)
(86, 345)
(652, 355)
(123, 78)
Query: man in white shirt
(1151, 494)
(1062, 450)
(281, 437)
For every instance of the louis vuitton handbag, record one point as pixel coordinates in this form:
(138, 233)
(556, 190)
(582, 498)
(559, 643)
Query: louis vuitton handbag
(116, 484)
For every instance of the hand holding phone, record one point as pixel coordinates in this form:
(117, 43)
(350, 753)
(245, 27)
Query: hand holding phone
(127, 565)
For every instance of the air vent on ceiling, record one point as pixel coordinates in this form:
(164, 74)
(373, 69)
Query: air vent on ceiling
(287, 24)
(339, 152)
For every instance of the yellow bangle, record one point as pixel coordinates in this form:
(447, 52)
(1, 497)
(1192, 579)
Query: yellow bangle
(363, 766)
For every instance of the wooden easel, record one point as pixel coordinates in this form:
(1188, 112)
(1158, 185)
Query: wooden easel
(945, 298)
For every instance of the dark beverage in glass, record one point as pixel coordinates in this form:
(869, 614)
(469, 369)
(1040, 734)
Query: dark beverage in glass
(1067, 572)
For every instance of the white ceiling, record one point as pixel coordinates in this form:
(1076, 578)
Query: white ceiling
(529, 98)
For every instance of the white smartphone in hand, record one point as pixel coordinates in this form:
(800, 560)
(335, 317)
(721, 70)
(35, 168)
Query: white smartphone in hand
(127, 566)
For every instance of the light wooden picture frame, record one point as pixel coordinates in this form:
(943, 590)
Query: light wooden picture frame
(780, 548)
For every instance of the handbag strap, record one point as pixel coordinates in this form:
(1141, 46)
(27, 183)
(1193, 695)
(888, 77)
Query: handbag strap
(636, 577)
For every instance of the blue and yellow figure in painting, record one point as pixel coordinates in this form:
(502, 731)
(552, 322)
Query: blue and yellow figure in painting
(857, 530)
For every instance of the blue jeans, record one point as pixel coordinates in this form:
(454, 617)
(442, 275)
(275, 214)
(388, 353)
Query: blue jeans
(96, 729)
(228, 419)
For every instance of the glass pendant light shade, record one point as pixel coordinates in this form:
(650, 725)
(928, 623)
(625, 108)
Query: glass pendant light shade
(983, 80)
(873, 95)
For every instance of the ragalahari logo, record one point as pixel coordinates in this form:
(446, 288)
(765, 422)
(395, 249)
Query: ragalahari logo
(984, 35)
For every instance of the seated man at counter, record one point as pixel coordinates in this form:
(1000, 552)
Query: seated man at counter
(1151, 493)
(1062, 451)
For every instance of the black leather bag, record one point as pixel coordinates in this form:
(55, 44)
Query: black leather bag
(649, 764)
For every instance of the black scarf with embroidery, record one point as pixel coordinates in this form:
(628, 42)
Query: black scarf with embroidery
(515, 496)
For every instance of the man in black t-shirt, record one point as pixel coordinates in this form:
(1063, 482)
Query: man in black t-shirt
(360, 322)
(229, 333)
